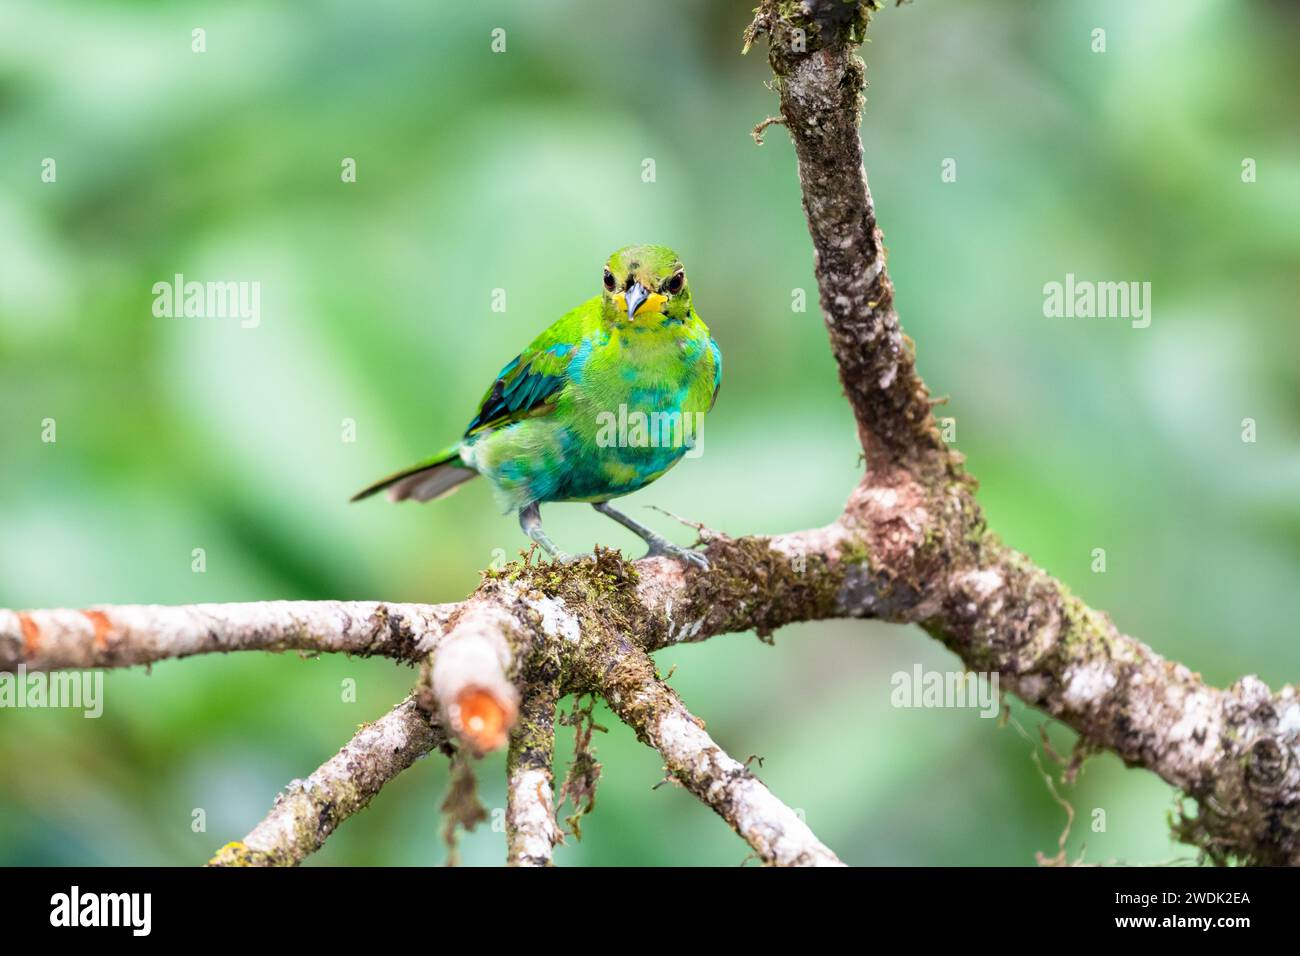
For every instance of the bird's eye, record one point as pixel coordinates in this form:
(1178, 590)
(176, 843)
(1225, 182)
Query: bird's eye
(674, 285)
(609, 280)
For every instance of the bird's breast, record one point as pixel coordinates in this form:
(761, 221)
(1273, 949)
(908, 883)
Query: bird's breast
(660, 369)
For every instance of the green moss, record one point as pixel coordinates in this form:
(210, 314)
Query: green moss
(751, 586)
(603, 574)
(237, 853)
(855, 552)
(1087, 633)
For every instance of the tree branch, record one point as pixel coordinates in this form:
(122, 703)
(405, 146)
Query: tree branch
(651, 708)
(820, 83)
(126, 635)
(891, 557)
(308, 811)
(531, 830)
(1236, 752)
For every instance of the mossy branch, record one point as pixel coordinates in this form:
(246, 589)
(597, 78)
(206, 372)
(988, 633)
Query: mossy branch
(307, 811)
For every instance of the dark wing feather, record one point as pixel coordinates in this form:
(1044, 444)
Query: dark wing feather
(523, 387)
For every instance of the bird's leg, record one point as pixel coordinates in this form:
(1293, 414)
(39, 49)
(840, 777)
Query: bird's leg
(659, 545)
(530, 519)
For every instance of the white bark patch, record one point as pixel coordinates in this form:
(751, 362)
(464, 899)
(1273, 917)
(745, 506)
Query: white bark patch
(1288, 723)
(1253, 690)
(1086, 684)
(688, 631)
(556, 619)
(1032, 688)
(1199, 717)
(531, 818)
(981, 583)
(660, 581)
(685, 741)
(886, 498)
(788, 839)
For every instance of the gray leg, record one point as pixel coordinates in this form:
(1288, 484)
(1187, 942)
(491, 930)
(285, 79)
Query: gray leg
(530, 519)
(659, 545)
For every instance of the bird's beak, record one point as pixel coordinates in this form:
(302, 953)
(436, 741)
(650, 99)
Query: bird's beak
(638, 300)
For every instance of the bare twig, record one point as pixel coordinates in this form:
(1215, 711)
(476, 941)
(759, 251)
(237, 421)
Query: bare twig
(651, 708)
(125, 635)
(761, 127)
(308, 811)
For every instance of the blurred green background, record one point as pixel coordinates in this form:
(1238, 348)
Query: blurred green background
(521, 171)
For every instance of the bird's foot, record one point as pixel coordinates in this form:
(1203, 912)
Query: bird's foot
(663, 548)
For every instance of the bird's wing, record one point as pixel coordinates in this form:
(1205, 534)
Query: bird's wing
(529, 382)
(717, 371)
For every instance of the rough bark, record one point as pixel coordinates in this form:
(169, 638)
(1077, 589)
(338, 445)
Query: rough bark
(820, 92)
(531, 830)
(653, 710)
(1237, 751)
(307, 811)
(145, 634)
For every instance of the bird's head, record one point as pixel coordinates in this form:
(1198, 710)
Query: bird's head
(642, 282)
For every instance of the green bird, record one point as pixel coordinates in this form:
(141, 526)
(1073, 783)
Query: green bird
(599, 405)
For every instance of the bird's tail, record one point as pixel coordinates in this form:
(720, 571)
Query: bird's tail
(434, 477)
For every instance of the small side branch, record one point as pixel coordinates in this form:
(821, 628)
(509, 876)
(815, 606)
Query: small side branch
(126, 635)
(761, 127)
(471, 676)
(531, 830)
(308, 811)
(820, 81)
(651, 708)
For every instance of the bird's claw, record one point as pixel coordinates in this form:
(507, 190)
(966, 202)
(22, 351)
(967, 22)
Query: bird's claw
(666, 549)
(696, 558)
